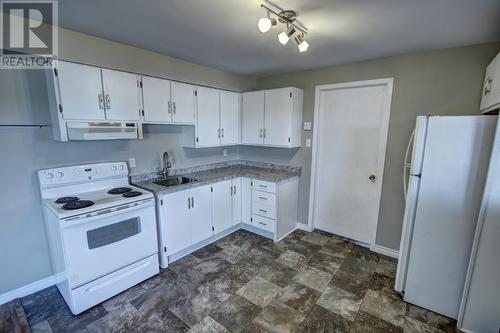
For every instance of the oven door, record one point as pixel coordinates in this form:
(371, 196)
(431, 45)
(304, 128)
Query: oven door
(101, 244)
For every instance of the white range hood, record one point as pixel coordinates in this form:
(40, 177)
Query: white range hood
(102, 131)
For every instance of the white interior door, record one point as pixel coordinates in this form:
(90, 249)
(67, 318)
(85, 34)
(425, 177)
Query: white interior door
(229, 117)
(81, 93)
(182, 103)
(222, 206)
(252, 122)
(278, 115)
(351, 122)
(201, 214)
(121, 95)
(156, 100)
(207, 117)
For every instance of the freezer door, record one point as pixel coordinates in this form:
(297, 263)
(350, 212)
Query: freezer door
(456, 157)
(411, 200)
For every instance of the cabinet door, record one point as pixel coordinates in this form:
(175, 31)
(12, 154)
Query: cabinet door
(176, 225)
(278, 116)
(207, 117)
(121, 95)
(230, 117)
(80, 90)
(156, 100)
(222, 206)
(201, 211)
(236, 201)
(252, 122)
(246, 200)
(182, 103)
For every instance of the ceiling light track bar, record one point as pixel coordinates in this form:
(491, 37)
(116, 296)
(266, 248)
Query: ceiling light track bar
(285, 18)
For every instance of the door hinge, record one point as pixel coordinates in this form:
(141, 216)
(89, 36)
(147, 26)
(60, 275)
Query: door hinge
(161, 202)
(55, 72)
(165, 249)
(60, 108)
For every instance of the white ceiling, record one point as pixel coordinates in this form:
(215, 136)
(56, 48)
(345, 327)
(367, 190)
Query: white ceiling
(223, 33)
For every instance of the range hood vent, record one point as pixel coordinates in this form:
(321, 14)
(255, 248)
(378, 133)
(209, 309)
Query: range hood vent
(102, 131)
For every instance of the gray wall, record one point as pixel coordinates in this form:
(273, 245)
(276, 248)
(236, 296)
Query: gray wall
(23, 99)
(446, 82)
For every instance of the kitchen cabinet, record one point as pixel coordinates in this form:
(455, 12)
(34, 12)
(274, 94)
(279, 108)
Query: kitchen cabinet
(156, 103)
(121, 95)
(246, 200)
(490, 97)
(183, 98)
(230, 117)
(236, 199)
(272, 117)
(80, 90)
(208, 131)
(252, 118)
(92, 93)
(222, 208)
(200, 212)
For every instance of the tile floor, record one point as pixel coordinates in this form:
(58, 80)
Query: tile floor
(309, 282)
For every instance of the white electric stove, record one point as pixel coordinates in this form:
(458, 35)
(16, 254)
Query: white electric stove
(101, 230)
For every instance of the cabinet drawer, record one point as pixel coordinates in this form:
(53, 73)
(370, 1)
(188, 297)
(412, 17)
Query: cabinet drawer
(264, 198)
(264, 186)
(264, 210)
(263, 223)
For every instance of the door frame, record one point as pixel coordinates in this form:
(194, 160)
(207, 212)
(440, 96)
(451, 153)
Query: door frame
(382, 149)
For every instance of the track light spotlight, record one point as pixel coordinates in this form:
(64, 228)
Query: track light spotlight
(285, 35)
(266, 23)
(303, 44)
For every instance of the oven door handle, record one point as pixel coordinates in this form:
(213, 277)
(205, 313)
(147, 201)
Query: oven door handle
(70, 222)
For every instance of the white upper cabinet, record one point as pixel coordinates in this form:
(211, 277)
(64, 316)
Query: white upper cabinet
(230, 117)
(490, 97)
(81, 94)
(156, 105)
(208, 131)
(252, 118)
(272, 117)
(121, 95)
(222, 217)
(182, 103)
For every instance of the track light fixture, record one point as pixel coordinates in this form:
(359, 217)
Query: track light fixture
(293, 27)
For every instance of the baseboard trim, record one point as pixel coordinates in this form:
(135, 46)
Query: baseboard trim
(28, 289)
(385, 251)
(305, 227)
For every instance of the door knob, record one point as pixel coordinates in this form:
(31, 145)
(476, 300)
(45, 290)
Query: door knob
(372, 178)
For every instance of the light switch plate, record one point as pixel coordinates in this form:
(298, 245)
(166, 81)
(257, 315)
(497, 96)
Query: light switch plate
(131, 162)
(307, 126)
(308, 142)
(224, 152)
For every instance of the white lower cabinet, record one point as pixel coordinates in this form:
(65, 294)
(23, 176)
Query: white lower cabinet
(222, 214)
(200, 211)
(237, 197)
(246, 200)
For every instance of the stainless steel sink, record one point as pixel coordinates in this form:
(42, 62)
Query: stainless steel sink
(174, 181)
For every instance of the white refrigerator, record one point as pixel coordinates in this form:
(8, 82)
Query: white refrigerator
(447, 175)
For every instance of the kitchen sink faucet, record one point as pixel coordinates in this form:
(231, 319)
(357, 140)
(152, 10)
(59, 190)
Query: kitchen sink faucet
(166, 165)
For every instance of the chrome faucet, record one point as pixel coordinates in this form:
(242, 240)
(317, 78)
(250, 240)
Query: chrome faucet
(166, 165)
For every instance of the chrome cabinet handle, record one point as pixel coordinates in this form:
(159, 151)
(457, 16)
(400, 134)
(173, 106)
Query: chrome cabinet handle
(372, 178)
(264, 133)
(192, 202)
(223, 133)
(108, 102)
(189, 203)
(234, 189)
(261, 134)
(169, 107)
(263, 186)
(100, 98)
(218, 133)
(175, 108)
(262, 223)
(262, 210)
(231, 190)
(262, 198)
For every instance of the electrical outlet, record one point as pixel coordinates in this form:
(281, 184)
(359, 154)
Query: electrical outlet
(308, 142)
(131, 162)
(224, 152)
(307, 126)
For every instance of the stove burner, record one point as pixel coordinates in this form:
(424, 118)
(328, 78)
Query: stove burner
(64, 200)
(119, 190)
(77, 204)
(132, 194)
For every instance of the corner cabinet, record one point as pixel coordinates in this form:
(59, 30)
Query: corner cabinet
(272, 117)
(490, 95)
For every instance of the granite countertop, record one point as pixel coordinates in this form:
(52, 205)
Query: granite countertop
(219, 173)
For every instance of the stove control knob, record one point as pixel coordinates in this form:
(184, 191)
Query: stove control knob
(49, 175)
(59, 174)
(121, 167)
(113, 168)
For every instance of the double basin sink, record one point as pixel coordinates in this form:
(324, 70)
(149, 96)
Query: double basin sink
(174, 181)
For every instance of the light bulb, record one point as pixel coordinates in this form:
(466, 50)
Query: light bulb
(303, 45)
(264, 24)
(285, 35)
